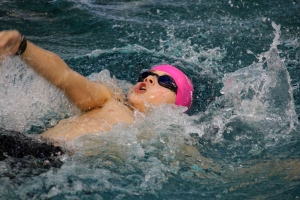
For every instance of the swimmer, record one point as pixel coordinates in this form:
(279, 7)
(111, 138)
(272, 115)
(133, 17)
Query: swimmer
(101, 108)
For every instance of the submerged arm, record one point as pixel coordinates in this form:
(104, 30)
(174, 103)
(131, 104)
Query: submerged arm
(83, 93)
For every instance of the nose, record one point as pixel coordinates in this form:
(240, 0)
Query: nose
(150, 79)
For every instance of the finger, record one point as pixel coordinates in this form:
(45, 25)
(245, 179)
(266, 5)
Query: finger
(3, 54)
(9, 38)
(10, 41)
(2, 39)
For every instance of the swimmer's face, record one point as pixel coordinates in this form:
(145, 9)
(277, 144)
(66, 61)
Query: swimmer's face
(149, 93)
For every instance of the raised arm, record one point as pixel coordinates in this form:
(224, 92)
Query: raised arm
(85, 94)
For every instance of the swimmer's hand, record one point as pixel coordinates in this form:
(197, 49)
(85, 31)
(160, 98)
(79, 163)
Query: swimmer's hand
(9, 43)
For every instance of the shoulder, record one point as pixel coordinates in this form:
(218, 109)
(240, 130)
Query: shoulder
(114, 92)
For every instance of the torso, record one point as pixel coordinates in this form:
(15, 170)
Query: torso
(94, 121)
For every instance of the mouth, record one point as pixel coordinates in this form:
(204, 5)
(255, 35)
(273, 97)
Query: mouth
(140, 87)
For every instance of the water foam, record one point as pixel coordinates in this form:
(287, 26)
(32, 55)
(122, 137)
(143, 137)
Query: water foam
(140, 158)
(257, 96)
(27, 100)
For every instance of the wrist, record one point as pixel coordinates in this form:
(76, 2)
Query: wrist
(22, 47)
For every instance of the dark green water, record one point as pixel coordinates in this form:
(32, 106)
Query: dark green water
(240, 139)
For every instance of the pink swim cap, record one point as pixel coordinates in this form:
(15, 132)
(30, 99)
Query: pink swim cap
(185, 87)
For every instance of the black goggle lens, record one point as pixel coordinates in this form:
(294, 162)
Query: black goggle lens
(164, 80)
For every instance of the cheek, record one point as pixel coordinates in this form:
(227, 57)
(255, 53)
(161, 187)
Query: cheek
(154, 96)
(160, 96)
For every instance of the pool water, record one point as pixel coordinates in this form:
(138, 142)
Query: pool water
(239, 140)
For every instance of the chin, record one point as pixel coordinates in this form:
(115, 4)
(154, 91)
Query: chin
(136, 101)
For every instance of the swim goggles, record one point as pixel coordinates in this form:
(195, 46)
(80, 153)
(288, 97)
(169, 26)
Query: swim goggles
(164, 80)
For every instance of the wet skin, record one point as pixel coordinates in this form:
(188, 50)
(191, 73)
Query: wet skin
(143, 96)
(101, 108)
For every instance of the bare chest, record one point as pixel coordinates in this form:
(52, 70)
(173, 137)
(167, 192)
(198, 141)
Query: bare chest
(95, 121)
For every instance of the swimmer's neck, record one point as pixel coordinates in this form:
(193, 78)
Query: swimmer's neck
(124, 99)
(129, 105)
